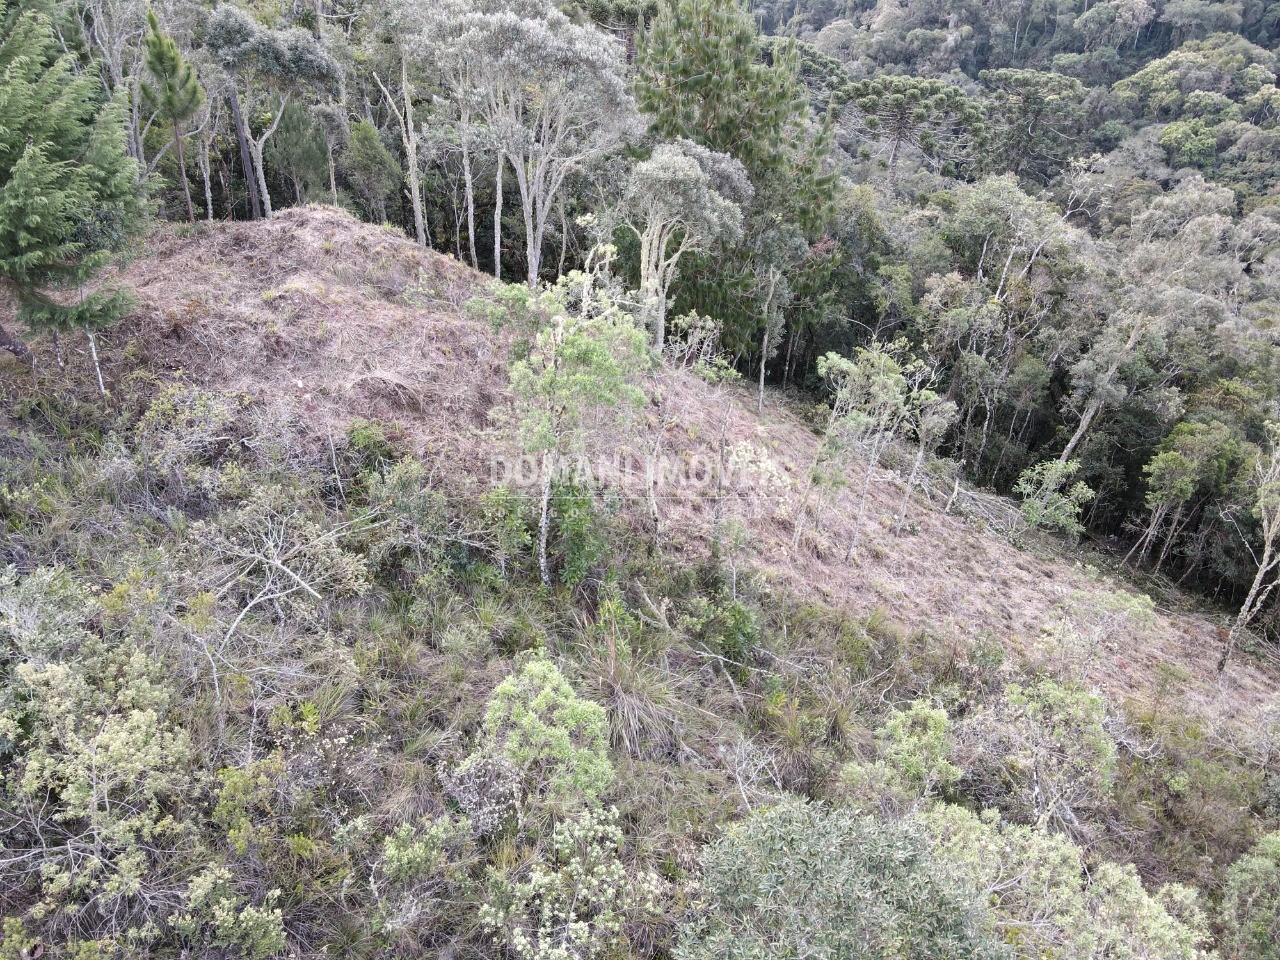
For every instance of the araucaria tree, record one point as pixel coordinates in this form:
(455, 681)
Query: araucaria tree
(68, 192)
(173, 92)
(930, 116)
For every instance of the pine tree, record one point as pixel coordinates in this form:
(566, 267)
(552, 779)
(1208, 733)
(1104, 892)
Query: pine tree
(702, 76)
(175, 93)
(705, 74)
(68, 192)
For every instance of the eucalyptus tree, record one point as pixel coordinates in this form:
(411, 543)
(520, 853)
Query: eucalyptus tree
(673, 208)
(929, 416)
(273, 66)
(869, 394)
(554, 92)
(1266, 559)
(407, 49)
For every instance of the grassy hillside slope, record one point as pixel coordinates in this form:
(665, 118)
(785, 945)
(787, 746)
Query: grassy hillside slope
(343, 321)
(312, 394)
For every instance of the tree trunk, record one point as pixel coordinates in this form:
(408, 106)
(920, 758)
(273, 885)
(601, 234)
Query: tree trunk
(1086, 421)
(202, 158)
(906, 494)
(497, 220)
(532, 240)
(764, 359)
(872, 462)
(246, 160)
(256, 147)
(16, 347)
(544, 521)
(182, 174)
(469, 187)
(893, 161)
(564, 238)
(259, 169)
(333, 174)
(411, 152)
(1251, 604)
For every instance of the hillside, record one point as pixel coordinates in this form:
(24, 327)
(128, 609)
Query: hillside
(271, 397)
(342, 321)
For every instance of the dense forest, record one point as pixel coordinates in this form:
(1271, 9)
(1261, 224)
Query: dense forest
(278, 681)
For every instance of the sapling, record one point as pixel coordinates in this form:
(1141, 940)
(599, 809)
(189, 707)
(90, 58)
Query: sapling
(929, 416)
(580, 370)
(1266, 510)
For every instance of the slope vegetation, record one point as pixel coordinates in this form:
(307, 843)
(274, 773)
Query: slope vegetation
(342, 321)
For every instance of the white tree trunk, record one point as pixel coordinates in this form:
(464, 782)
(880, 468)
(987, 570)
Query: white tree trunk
(497, 219)
(544, 520)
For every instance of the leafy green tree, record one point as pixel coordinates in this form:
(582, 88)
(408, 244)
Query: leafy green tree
(803, 880)
(273, 66)
(1189, 143)
(929, 416)
(173, 92)
(875, 389)
(1040, 753)
(97, 787)
(553, 92)
(673, 208)
(1225, 64)
(68, 192)
(702, 75)
(370, 167)
(580, 368)
(298, 151)
(868, 402)
(1195, 459)
(1266, 559)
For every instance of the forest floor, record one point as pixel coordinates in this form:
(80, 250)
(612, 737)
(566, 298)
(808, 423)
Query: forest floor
(338, 320)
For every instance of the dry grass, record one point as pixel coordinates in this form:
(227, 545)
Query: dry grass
(338, 320)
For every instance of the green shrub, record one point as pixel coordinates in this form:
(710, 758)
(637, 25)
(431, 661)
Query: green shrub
(1046, 904)
(97, 794)
(574, 903)
(1047, 500)
(1040, 751)
(915, 743)
(803, 880)
(555, 741)
(182, 440)
(578, 543)
(217, 917)
(1250, 910)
